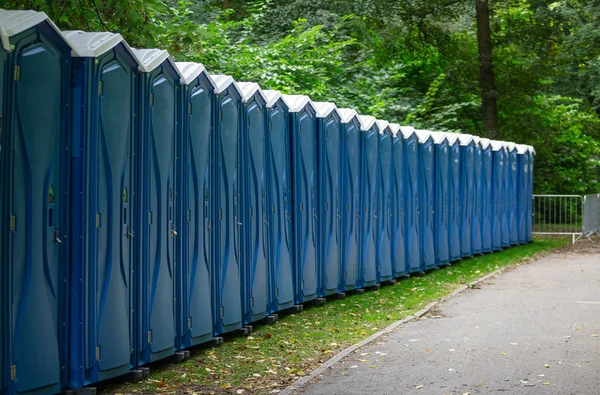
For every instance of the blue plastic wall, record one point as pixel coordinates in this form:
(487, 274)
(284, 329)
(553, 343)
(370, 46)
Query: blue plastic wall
(467, 158)
(227, 270)
(385, 265)
(306, 192)
(477, 219)
(513, 197)
(497, 198)
(427, 206)
(281, 239)
(522, 201)
(4, 270)
(529, 197)
(256, 281)
(487, 217)
(35, 181)
(329, 132)
(102, 277)
(412, 204)
(454, 202)
(195, 217)
(398, 213)
(370, 147)
(351, 172)
(506, 198)
(442, 204)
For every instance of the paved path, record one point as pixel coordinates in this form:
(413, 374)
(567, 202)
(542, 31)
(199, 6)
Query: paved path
(528, 331)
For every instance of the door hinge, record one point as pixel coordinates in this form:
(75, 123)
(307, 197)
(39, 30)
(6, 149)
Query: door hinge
(221, 214)
(13, 223)
(97, 220)
(252, 302)
(13, 372)
(251, 212)
(222, 312)
(276, 292)
(302, 284)
(189, 322)
(301, 207)
(151, 100)
(325, 279)
(189, 216)
(248, 118)
(189, 108)
(273, 209)
(150, 336)
(345, 275)
(270, 125)
(149, 217)
(17, 73)
(97, 353)
(99, 88)
(220, 116)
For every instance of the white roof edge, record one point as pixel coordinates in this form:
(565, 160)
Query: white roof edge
(477, 140)
(423, 135)
(346, 114)
(323, 108)
(452, 138)
(249, 89)
(93, 44)
(224, 81)
(465, 139)
(190, 71)
(296, 103)
(151, 58)
(438, 137)
(497, 145)
(382, 125)
(366, 122)
(407, 131)
(531, 149)
(522, 149)
(485, 143)
(510, 146)
(13, 22)
(395, 128)
(272, 96)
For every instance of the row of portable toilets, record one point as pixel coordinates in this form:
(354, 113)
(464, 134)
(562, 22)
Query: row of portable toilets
(148, 206)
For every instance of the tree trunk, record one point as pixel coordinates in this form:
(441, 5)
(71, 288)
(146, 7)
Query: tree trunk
(486, 71)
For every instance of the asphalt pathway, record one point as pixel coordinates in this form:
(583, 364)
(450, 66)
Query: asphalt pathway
(532, 330)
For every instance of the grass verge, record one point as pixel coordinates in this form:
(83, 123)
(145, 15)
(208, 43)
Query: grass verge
(272, 357)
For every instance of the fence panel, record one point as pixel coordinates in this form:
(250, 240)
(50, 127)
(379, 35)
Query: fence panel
(558, 215)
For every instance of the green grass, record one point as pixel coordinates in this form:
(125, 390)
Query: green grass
(274, 356)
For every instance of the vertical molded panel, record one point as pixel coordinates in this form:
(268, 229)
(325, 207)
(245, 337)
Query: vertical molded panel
(228, 219)
(529, 198)
(369, 206)
(497, 198)
(454, 202)
(305, 187)
(512, 198)
(196, 215)
(4, 285)
(412, 213)
(384, 209)
(476, 225)
(329, 204)
(427, 181)
(487, 202)
(256, 252)
(522, 203)
(442, 205)
(398, 230)
(36, 245)
(466, 197)
(281, 236)
(351, 205)
(505, 200)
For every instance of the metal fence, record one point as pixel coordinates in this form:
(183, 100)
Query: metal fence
(591, 217)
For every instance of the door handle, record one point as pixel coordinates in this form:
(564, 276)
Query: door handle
(56, 238)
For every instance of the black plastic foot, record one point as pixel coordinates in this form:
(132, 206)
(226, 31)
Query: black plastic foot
(217, 341)
(145, 371)
(419, 274)
(244, 331)
(80, 391)
(375, 287)
(135, 375)
(359, 291)
(319, 301)
(296, 308)
(340, 296)
(271, 319)
(391, 282)
(179, 357)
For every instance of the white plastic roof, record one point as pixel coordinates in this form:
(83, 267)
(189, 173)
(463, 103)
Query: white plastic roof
(150, 59)
(477, 140)
(190, 71)
(531, 149)
(407, 131)
(423, 135)
(272, 97)
(510, 146)
(15, 22)
(395, 128)
(497, 145)
(484, 143)
(222, 82)
(438, 137)
(522, 149)
(346, 114)
(296, 103)
(323, 108)
(465, 139)
(249, 89)
(92, 45)
(382, 125)
(366, 122)
(452, 138)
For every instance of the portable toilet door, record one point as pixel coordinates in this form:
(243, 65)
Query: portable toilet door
(454, 190)
(35, 95)
(255, 262)
(442, 199)
(329, 145)
(506, 196)
(398, 243)
(512, 194)
(369, 154)
(497, 193)
(477, 226)
(305, 187)
(467, 156)
(427, 204)
(522, 191)
(529, 196)
(385, 265)
(156, 151)
(104, 98)
(227, 243)
(350, 205)
(281, 241)
(486, 200)
(195, 217)
(412, 193)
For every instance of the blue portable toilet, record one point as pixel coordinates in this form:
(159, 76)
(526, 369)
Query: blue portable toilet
(529, 196)
(398, 243)
(476, 225)
(427, 203)
(255, 261)
(368, 187)
(454, 193)
(350, 204)
(486, 195)
(442, 199)
(34, 105)
(497, 210)
(329, 146)
(229, 205)
(156, 152)
(305, 187)
(512, 194)
(279, 203)
(467, 159)
(412, 193)
(385, 265)
(195, 217)
(522, 192)
(105, 74)
(505, 196)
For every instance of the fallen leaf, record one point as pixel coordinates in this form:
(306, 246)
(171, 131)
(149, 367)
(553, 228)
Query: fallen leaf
(503, 353)
(372, 367)
(426, 349)
(545, 383)
(225, 386)
(547, 366)
(541, 375)
(419, 386)
(239, 392)
(594, 335)
(479, 384)
(353, 367)
(451, 350)
(524, 382)
(301, 373)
